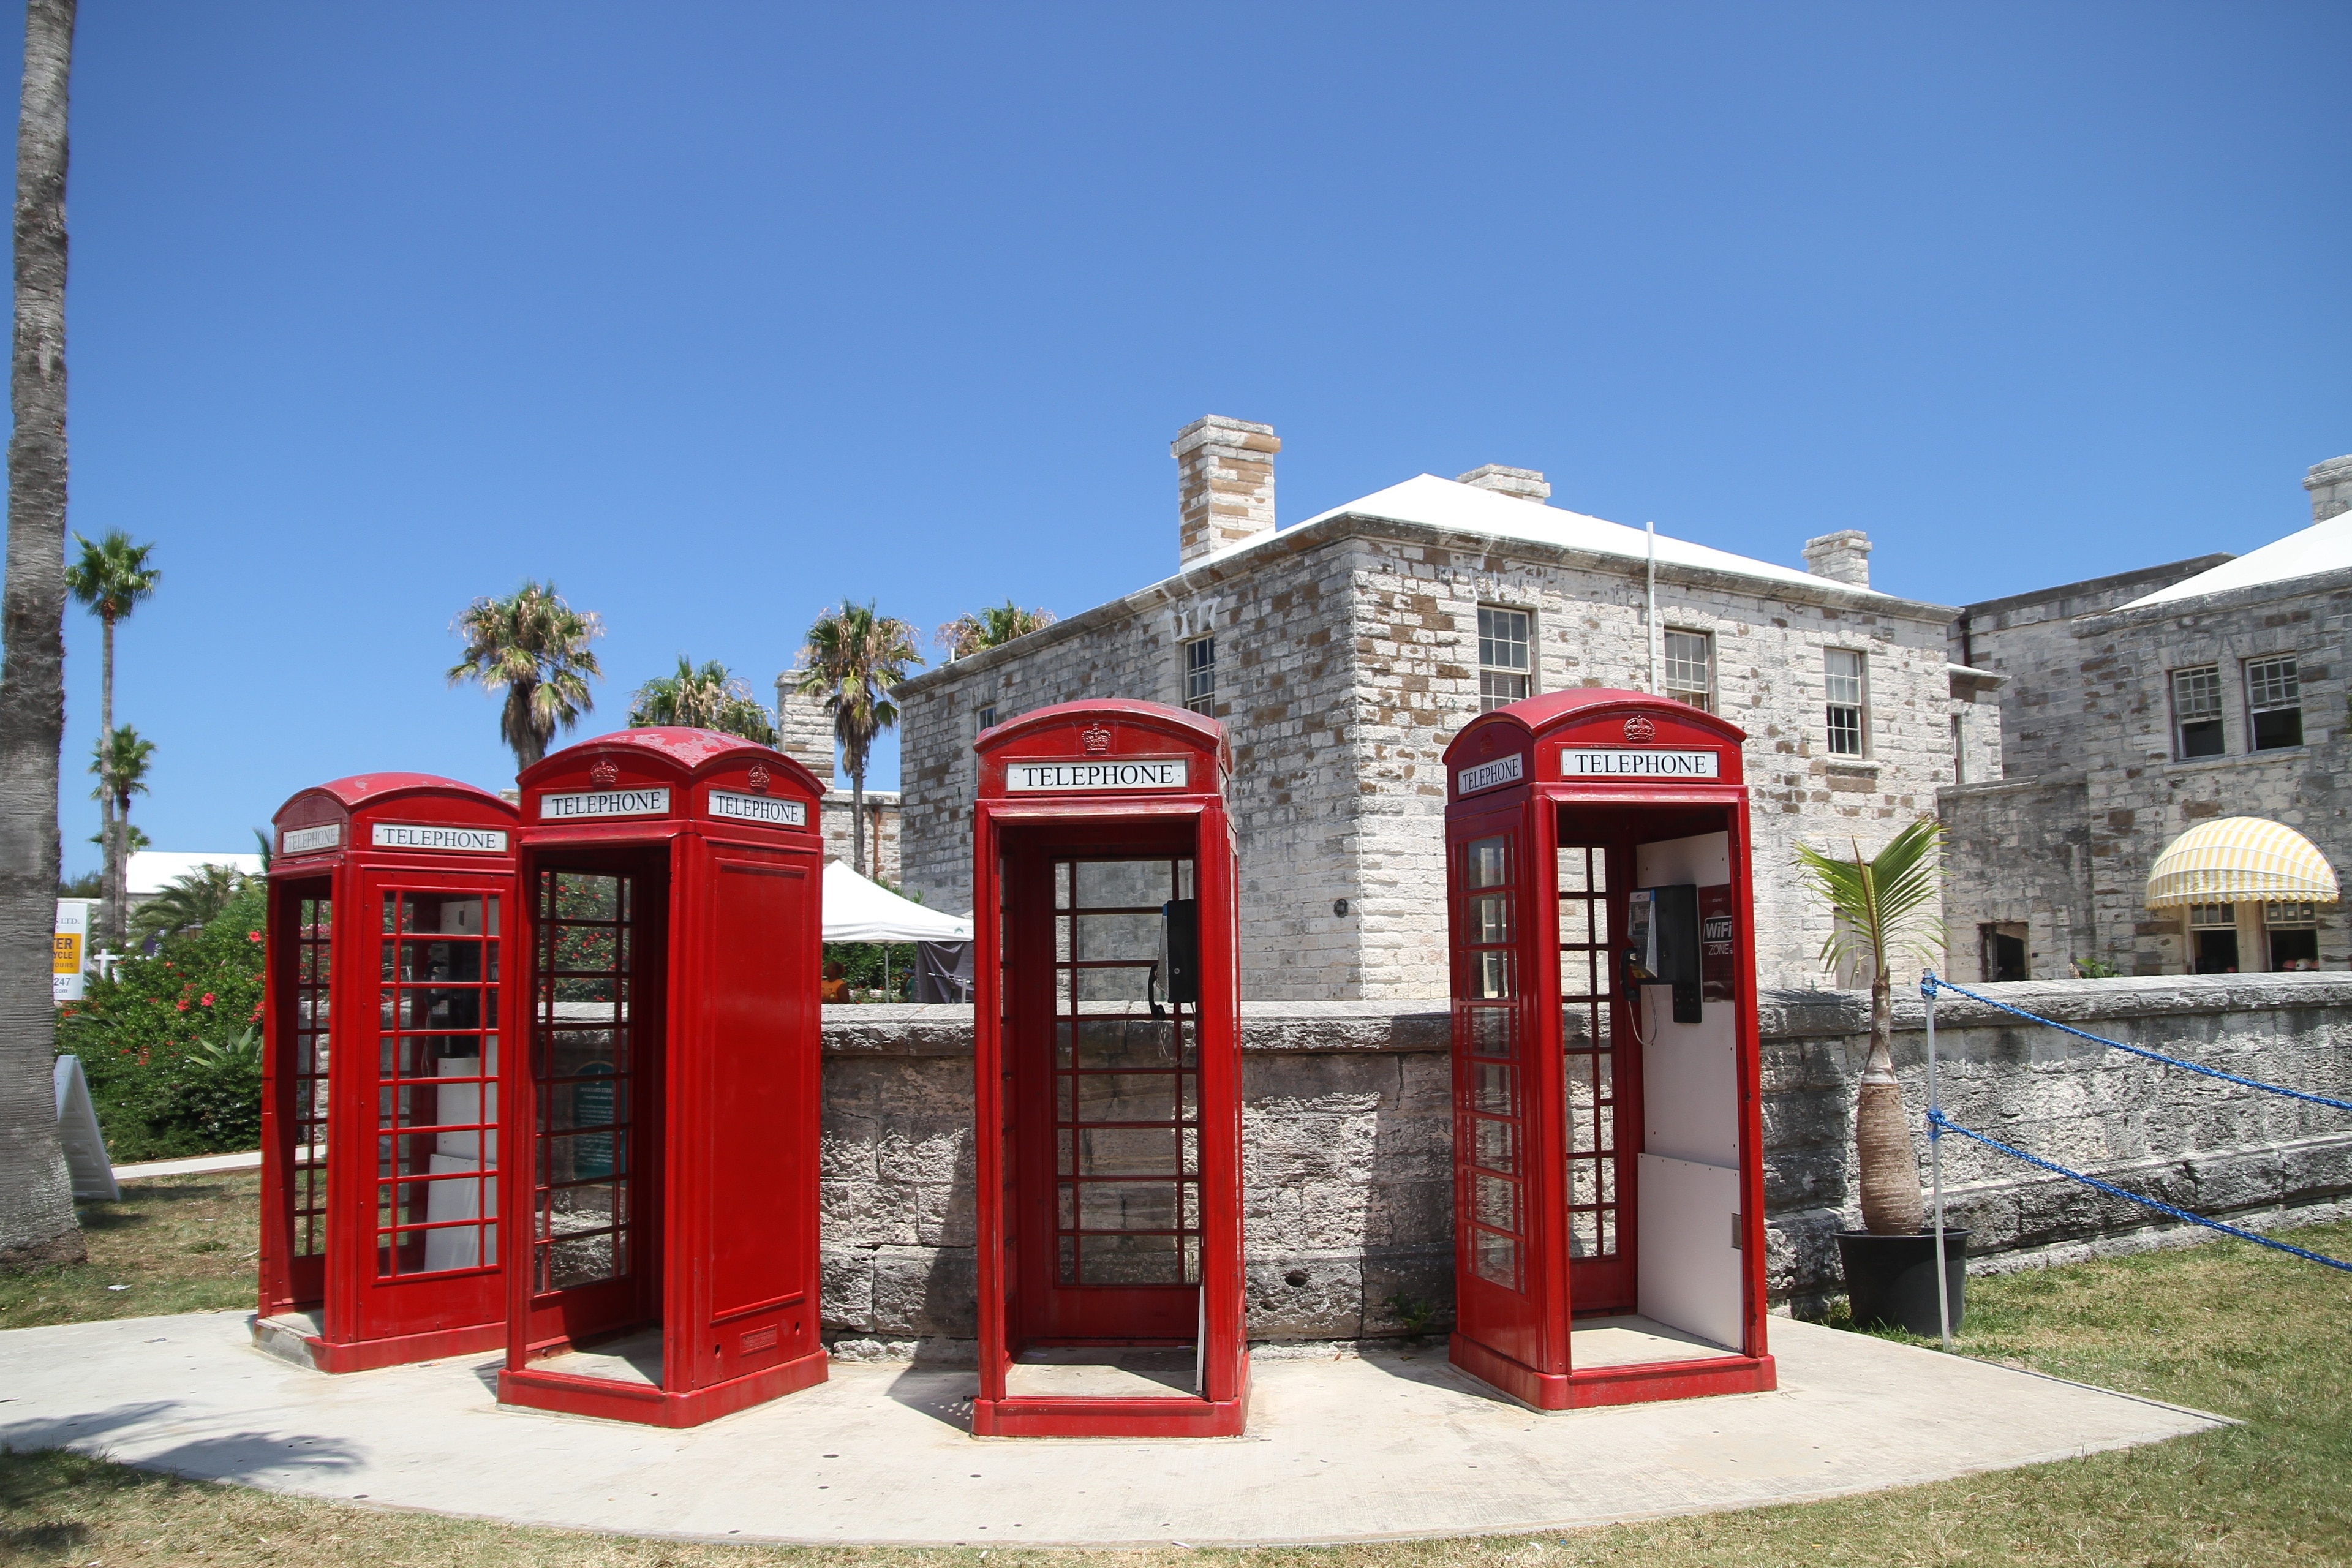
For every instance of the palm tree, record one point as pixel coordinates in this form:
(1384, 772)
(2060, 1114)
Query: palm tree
(705, 698)
(112, 578)
(36, 1214)
(852, 660)
(1886, 903)
(536, 646)
(120, 761)
(988, 627)
(189, 900)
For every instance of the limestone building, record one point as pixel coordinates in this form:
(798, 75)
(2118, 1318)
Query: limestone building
(804, 732)
(1343, 653)
(2136, 706)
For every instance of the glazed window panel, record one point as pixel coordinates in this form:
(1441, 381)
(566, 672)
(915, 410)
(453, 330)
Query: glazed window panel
(437, 1067)
(1690, 668)
(1588, 1044)
(1845, 679)
(1201, 675)
(2197, 712)
(1505, 666)
(312, 1051)
(1125, 1080)
(2275, 703)
(582, 1046)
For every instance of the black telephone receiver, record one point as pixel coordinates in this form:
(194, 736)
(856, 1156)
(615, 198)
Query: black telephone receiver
(1180, 957)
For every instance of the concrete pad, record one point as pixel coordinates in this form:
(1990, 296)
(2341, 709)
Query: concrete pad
(197, 1165)
(1633, 1340)
(1054, 1373)
(1391, 1444)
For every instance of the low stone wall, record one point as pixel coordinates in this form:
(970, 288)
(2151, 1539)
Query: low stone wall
(1347, 1142)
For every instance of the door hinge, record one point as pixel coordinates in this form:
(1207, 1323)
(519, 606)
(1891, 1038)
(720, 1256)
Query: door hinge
(1736, 1244)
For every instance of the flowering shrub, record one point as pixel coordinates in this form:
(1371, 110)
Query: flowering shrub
(165, 1043)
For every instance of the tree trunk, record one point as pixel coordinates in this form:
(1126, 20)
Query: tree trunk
(115, 924)
(36, 1214)
(857, 820)
(1891, 1200)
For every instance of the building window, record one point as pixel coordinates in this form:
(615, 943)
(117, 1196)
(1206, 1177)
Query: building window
(987, 717)
(1844, 670)
(2294, 936)
(2197, 712)
(1690, 668)
(1201, 675)
(2275, 703)
(2213, 939)
(1503, 664)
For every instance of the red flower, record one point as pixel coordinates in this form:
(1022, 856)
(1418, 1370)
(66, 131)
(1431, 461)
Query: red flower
(208, 998)
(253, 936)
(181, 1004)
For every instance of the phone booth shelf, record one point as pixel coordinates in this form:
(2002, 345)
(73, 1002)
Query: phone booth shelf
(663, 1268)
(1107, 1075)
(1608, 1141)
(384, 1019)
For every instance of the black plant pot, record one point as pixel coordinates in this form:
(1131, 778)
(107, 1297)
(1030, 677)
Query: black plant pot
(1891, 1279)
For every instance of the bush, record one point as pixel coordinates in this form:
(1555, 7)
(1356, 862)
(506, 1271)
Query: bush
(171, 1045)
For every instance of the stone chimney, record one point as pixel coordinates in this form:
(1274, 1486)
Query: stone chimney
(1841, 557)
(804, 729)
(1224, 484)
(2330, 484)
(1521, 484)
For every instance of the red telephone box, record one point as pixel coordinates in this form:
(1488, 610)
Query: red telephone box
(390, 901)
(1608, 1225)
(1108, 1078)
(663, 1267)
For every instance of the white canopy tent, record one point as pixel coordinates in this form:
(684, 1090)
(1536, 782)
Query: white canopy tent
(858, 910)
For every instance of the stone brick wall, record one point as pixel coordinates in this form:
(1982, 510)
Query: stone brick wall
(883, 835)
(2017, 852)
(1346, 658)
(1348, 1141)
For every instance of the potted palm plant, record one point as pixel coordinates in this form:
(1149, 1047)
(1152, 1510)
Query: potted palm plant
(1888, 903)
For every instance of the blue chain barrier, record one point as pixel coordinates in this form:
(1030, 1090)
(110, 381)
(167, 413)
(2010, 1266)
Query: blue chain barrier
(1938, 1124)
(1930, 986)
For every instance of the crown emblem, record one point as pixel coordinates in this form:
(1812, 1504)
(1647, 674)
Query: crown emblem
(1639, 728)
(1095, 738)
(758, 778)
(604, 775)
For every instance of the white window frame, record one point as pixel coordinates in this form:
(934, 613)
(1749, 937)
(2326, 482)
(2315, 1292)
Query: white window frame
(1198, 671)
(1682, 691)
(1492, 674)
(1859, 707)
(2284, 695)
(2204, 679)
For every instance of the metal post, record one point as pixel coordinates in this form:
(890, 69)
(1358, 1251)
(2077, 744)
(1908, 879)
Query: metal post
(1936, 1165)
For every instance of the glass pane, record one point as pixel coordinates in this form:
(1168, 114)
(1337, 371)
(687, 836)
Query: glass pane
(1494, 1145)
(1486, 863)
(1495, 1259)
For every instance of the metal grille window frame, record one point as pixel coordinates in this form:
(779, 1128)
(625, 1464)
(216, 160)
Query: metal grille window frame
(1126, 1183)
(1490, 1011)
(313, 1051)
(1589, 1056)
(2197, 712)
(436, 1177)
(584, 1168)
(2273, 702)
(1507, 640)
(1689, 666)
(1846, 705)
(1201, 675)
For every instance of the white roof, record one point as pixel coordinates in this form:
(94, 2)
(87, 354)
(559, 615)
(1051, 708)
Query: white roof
(153, 870)
(1448, 503)
(2323, 547)
(858, 910)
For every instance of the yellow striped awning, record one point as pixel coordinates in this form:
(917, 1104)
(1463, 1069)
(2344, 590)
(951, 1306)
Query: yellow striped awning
(2240, 860)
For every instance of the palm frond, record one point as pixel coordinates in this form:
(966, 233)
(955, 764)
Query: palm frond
(1884, 902)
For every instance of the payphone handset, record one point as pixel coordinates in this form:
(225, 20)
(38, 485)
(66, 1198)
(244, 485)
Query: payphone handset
(1176, 975)
(1662, 930)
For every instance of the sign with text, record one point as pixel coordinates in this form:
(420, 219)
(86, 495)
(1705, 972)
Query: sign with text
(1491, 775)
(460, 840)
(66, 956)
(605, 803)
(306, 840)
(1174, 773)
(758, 808)
(1635, 762)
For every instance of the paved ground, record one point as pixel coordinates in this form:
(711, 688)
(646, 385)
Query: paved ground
(198, 1165)
(1388, 1446)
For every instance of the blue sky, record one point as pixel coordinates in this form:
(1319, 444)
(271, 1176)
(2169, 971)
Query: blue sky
(717, 313)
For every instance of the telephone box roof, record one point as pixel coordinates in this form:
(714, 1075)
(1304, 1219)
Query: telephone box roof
(1179, 723)
(364, 789)
(1549, 709)
(692, 752)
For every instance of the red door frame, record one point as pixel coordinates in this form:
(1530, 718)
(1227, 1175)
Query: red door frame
(359, 837)
(1042, 824)
(730, 1210)
(1504, 772)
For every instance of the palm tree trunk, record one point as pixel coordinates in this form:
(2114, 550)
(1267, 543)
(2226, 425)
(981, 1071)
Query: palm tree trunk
(36, 1214)
(857, 820)
(112, 908)
(1891, 1200)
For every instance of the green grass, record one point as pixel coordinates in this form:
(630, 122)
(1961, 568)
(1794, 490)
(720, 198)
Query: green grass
(175, 1244)
(2228, 1328)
